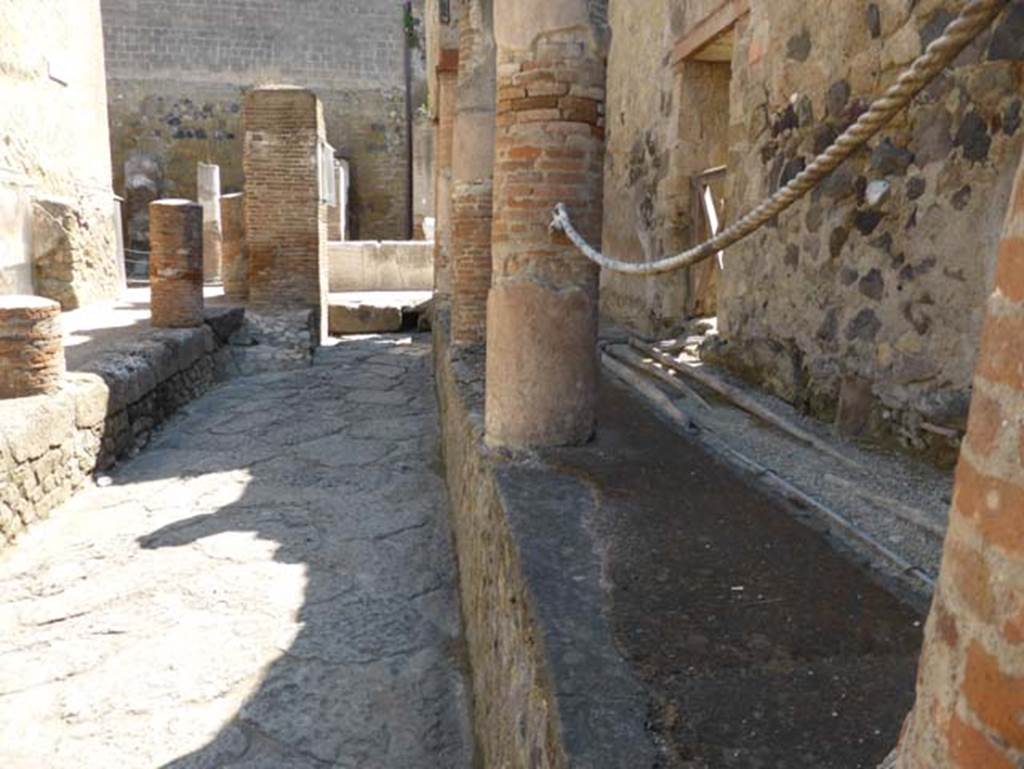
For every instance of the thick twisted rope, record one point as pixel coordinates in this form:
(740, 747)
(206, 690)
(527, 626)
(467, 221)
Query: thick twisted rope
(974, 19)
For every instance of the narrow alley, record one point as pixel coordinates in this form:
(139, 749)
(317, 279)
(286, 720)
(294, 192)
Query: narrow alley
(278, 590)
(541, 384)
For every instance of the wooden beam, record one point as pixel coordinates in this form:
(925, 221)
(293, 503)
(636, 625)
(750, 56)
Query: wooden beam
(708, 31)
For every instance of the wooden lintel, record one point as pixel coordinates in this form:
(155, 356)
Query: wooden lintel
(709, 29)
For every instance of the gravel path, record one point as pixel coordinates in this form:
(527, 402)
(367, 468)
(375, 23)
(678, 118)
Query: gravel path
(271, 584)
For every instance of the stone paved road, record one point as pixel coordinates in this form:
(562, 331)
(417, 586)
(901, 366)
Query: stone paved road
(270, 585)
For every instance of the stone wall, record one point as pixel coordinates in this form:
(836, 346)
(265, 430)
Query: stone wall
(51, 444)
(178, 71)
(970, 695)
(373, 265)
(57, 234)
(873, 301)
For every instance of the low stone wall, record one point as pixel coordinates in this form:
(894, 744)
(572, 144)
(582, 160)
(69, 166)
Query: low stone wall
(381, 265)
(51, 444)
(549, 686)
(271, 339)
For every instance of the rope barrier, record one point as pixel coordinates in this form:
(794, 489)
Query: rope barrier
(971, 22)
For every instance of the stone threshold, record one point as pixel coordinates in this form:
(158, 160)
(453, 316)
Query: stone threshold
(106, 410)
(550, 687)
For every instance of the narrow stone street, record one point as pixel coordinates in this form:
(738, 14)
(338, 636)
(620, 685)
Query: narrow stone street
(269, 585)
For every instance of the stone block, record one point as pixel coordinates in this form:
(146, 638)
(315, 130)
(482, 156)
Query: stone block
(363, 319)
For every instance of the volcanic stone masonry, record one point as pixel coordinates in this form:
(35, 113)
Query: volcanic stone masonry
(31, 347)
(176, 263)
(549, 148)
(970, 698)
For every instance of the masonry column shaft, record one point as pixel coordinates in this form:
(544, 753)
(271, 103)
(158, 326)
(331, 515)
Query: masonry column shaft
(447, 76)
(234, 265)
(31, 346)
(285, 219)
(970, 696)
(472, 173)
(176, 263)
(208, 184)
(549, 148)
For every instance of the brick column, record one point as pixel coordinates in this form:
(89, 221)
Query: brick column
(176, 263)
(447, 76)
(472, 171)
(549, 148)
(970, 696)
(208, 184)
(234, 265)
(285, 222)
(31, 346)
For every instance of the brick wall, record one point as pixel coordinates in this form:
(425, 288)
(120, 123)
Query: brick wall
(472, 173)
(970, 708)
(285, 222)
(178, 70)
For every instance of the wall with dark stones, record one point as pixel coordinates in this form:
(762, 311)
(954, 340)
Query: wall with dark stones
(875, 305)
(57, 235)
(178, 70)
(663, 127)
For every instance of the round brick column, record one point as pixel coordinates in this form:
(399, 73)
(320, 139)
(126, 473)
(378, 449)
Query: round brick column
(970, 696)
(549, 148)
(472, 169)
(234, 265)
(31, 346)
(176, 263)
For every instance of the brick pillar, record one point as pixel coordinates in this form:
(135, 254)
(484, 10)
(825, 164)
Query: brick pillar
(176, 263)
(970, 695)
(447, 77)
(472, 171)
(31, 346)
(549, 148)
(208, 184)
(285, 221)
(234, 265)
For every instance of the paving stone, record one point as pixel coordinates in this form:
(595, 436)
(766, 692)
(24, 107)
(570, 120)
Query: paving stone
(263, 587)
